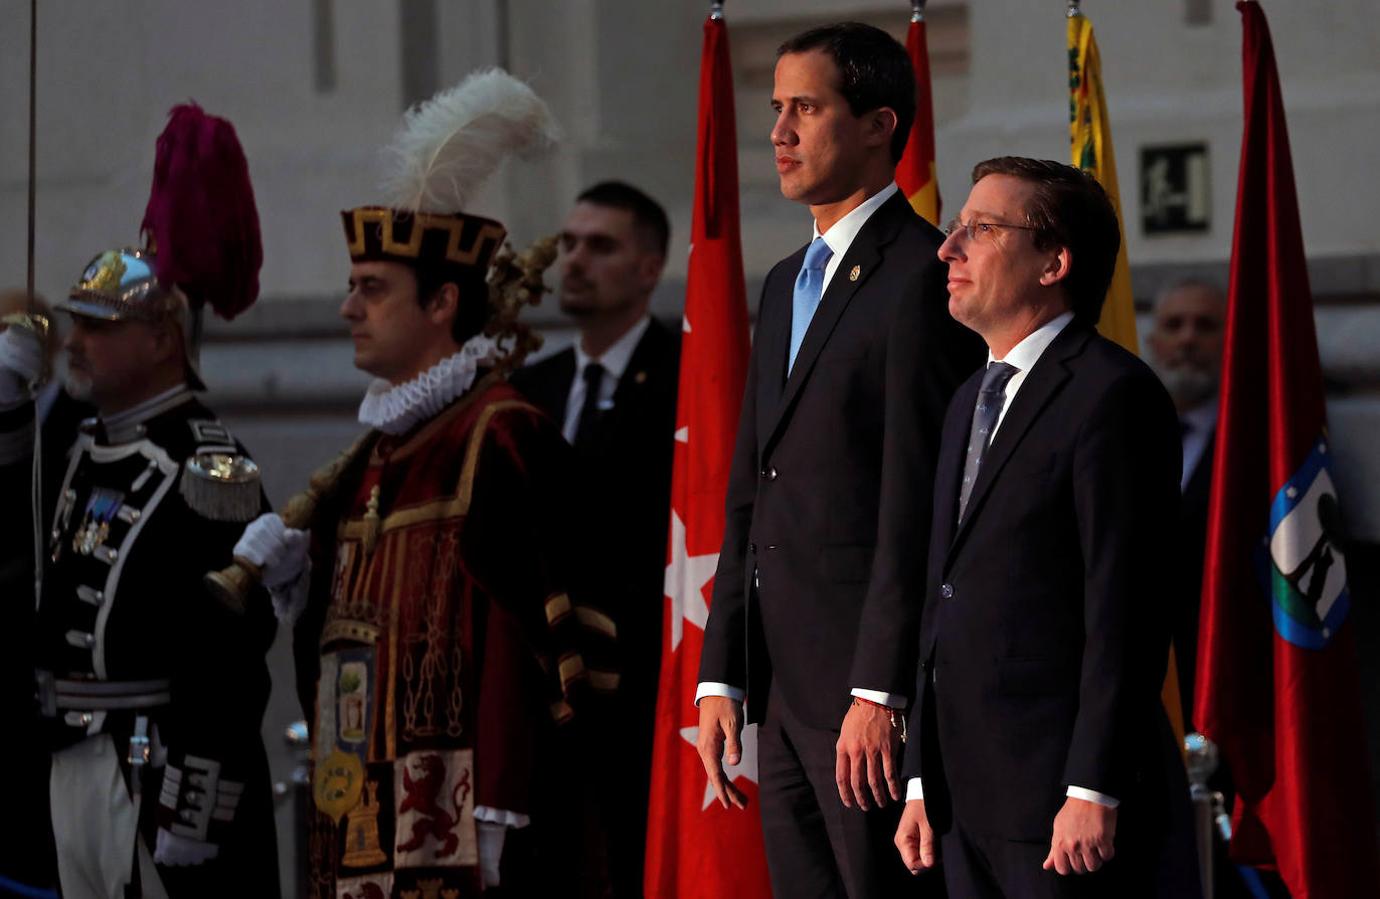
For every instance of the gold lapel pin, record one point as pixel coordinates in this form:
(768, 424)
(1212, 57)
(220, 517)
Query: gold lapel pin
(640, 377)
(853, 275)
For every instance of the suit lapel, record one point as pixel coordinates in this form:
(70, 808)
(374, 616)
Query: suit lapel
(864, 255)
(773, 340)
(632, 386)
(1040, 386)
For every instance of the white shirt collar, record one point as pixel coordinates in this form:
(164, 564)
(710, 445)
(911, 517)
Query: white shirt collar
(616, 358)
(840, 235)
(1202, 417)
(1025, 354)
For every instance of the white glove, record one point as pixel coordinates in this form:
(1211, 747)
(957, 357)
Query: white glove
(21, 362)
(175, 851)
(490, 837)
(280, 552)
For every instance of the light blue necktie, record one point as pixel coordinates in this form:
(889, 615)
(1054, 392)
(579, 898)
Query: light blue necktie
(809, 287)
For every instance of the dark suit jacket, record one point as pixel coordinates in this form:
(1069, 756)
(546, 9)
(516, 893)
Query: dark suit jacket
(1046, 631)
(831, 477)
(625, 495)
(624, 499)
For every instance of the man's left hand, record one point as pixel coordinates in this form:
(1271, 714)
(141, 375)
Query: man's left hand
(865, 757)
(1084, 833)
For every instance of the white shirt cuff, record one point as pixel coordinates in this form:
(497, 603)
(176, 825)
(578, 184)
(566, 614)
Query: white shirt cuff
(501, 816)
(711, 688)
(1092, 796)
(914, 789)
(890, 700)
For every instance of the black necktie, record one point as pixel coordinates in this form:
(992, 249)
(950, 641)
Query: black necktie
(990, 398)
(589, 412)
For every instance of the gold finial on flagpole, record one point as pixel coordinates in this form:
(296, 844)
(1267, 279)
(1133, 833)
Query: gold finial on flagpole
(1074, 12)
(716, 10)
(917, 10)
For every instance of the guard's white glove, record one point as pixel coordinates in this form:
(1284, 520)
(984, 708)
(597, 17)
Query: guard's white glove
(490, 838)
(175, 851)
(21, 362)
(280, 552)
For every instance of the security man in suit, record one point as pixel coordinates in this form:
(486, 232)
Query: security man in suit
(1184, 347)
(1039, 750)
(817, 594)
(614, 396)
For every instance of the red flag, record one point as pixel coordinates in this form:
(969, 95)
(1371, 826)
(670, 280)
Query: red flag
(695, 847)
(915, 173)
(1279, 691)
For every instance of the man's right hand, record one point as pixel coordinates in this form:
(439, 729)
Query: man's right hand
(278, 551)
(915, 839)
(721, 727)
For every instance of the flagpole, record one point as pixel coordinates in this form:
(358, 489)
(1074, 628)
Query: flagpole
(716, 10)
(33, 129)
(36, 321)
(1074, 10)
(917, 10)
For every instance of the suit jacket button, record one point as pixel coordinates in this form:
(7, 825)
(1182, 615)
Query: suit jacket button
(947, 591)
(752, 547)
(770, 473)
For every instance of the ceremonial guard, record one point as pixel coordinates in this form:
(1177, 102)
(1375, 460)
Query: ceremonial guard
(150, 690)
(440, 654)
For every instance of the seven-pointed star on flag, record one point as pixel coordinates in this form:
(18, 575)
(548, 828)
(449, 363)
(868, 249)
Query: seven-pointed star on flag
(746, 767)
(686, 576)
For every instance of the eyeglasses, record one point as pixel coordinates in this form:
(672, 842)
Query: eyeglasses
(973, 229)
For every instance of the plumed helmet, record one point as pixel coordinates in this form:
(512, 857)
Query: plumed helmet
(201, 232)
(447, 147)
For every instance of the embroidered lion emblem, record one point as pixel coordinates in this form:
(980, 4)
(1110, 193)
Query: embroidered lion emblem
(423, 796)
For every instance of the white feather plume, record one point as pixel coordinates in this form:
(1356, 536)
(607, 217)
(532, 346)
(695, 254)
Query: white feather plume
(451, 143)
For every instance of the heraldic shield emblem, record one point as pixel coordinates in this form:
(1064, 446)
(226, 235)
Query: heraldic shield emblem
(1307, 572)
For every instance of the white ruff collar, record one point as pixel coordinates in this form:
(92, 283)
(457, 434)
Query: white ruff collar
(398, 409)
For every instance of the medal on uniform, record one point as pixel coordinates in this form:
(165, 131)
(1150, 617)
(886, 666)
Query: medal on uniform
(101, 508)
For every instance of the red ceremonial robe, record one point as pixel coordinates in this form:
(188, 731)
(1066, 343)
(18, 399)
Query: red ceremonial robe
(439, 648)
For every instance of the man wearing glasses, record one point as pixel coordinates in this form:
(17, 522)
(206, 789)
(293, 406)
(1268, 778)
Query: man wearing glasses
(1039, 751)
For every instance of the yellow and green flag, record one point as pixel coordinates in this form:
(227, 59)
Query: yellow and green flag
(1091, 135)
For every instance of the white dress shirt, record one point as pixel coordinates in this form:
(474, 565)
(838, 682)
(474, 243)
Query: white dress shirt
(839, 237)
(1023, 356)
(615, 361)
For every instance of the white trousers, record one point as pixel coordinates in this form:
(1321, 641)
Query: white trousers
(96, 824)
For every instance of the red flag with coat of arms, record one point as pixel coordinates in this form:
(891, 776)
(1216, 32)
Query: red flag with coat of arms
(695, 847)
(1277, 683)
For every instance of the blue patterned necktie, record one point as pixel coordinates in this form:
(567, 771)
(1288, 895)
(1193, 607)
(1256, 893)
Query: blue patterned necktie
(809, 287)
(991, 397)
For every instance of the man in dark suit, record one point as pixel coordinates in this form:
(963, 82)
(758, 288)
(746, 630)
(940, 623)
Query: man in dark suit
(614, 394)
(1039, 750)
(817, 593)
(1184, 347)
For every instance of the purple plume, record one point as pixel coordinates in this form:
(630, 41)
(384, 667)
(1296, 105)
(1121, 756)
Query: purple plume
(201, 219)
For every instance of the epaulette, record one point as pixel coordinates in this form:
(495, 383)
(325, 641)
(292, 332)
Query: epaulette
(218, 481)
